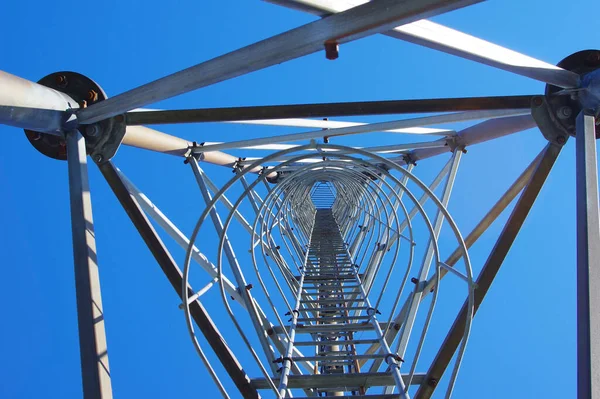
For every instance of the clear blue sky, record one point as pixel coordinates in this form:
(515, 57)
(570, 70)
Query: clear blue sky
(523, 340)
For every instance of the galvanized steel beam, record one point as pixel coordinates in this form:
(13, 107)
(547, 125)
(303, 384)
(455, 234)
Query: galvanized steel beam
(490, 269)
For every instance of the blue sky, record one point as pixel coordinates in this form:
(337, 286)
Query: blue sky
(523, 339)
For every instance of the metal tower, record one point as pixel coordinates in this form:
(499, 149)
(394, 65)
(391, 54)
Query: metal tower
(330, 260)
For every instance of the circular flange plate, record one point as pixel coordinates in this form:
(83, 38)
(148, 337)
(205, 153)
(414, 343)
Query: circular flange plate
(83, 90)
(565, 105)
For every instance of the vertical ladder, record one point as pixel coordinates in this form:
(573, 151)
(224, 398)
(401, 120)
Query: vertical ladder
(332, 306)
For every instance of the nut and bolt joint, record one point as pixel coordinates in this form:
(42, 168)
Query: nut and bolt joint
(564, 112)
(92, 130)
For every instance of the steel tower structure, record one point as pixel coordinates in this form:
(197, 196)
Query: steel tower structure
(345, 251)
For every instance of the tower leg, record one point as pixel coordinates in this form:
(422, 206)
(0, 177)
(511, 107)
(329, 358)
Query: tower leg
(92, 337)
(588, 260)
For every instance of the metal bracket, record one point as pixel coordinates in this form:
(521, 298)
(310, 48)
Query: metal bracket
(553, 131)
(238, 165)
(455, 143)
(191, 152)
(409, 159)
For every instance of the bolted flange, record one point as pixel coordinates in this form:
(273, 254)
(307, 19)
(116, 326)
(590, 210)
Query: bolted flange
(563, 105)
(102, 139)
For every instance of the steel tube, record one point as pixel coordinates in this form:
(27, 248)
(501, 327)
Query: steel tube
(365, 20)
(154, 140)
(479, 133)
(372, 127)
(438, 37)
(588, 260)
(428, 258)
(328, 124)
(29, 105)
(277, 112)
(92, 336)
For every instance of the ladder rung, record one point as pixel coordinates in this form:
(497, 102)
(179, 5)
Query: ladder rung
(341, 300)
(323, 359)
(342, 356)
(330, 271)
(341, 294)
(336, 353)
(337, 286)
(333, 278)
(310, 329)
(334, 318)
(341, 380)
(338, 342)
(380, 396)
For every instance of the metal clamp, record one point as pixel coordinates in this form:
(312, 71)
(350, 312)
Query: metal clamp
(393, 356)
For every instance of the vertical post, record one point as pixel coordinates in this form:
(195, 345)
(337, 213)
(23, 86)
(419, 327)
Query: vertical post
(429, 257)
(92, 337)
(588, 260)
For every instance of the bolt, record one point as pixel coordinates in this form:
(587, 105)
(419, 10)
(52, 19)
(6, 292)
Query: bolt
(92, 130)
(61, 81)
(414, 280)
(92, 95)
(98, 158)
(564, 112)
(432, 382)
(270, 331)
(594, 58)
(332, 50)
(464, 151)
(561, 140)
(537, 101)
(121, 118)
(34, 136)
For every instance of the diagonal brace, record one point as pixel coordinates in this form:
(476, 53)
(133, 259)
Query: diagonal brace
(490, 269)
(173, 273)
